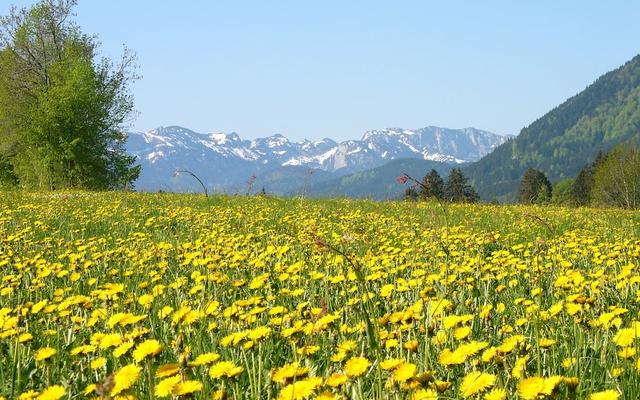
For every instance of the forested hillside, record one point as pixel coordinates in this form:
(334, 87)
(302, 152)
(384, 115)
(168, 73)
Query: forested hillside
(561, 142)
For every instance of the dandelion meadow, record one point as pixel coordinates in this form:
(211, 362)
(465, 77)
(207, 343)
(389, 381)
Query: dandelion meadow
(149, 296)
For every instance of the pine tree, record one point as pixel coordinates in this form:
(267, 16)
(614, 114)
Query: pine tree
(583, 185)
(458, 190)
(410, 194)
(433, 186)
(535, 188)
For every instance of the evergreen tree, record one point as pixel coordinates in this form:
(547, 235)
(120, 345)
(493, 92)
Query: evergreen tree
(535, 188)
(458, 190)
(583, 185)
(62, 109)
(433, 186)
(410, 194)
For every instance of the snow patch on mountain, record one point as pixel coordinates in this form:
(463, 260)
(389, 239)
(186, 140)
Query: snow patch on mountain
(226, 159)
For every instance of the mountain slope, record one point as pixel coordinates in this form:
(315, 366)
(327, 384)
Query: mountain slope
(378, 183)
(225, 161)
(290, 179)
(561, 142)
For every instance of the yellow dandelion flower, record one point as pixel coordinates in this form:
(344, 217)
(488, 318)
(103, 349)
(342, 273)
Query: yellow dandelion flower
(476, 382)
(551, 383)
(356, 366)
(28, 395)
(234, 372)
(25, 337)
(288, 371)
(187, 387)
(45, 353)
(52, 393)
(146, 349)
(424, 394)
(224, 369)
(124, 378)
(205, 359)
(625, 337)
(569, 362)
(411, 345)
(122, 349)
(164, 388)
(546, 343)
(531, 387)
(327, 396)
(496, 394)
(98, 363)
(110, 340)
(404, 372)
(627, 352)
(300, 390)
(336, 380)
(462, 332)
(90, 389)
(391, 363)
(519, 367)
(605, 395)
(167, 370)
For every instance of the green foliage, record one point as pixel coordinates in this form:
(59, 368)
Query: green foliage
(583, 185)
(433, 186)
(535, 188)
(617, 179)
(562, 192)
(62, 110)
(604, 114)
(458, 190)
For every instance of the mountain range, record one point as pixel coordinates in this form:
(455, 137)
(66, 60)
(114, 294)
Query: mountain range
(559, 143)
(225, 162)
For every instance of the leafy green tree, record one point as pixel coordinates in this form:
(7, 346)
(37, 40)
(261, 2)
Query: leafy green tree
(62, 108)
(433, 186)
(617, 179)
(535, 188)
(458, 190)
(561, 192)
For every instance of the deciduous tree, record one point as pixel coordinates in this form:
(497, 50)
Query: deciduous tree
(62, 107)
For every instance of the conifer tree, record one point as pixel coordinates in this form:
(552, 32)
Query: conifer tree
(583, 185)
(458, 190)
(433, 186)
(535, 188)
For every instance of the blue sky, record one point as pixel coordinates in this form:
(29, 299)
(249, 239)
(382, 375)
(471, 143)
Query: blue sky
(337, 68)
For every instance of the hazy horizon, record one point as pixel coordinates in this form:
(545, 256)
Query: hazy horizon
(336, 70)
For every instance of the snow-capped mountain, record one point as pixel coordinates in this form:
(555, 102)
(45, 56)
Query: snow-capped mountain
(224, 161)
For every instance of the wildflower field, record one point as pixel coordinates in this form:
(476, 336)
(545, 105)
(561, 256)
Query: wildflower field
(120, 296)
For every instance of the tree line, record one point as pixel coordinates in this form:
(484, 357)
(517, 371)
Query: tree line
(63, 108)
(455, 190)
(611, 180)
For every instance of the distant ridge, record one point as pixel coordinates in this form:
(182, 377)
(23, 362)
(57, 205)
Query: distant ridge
(378, 183)
(225, 162)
